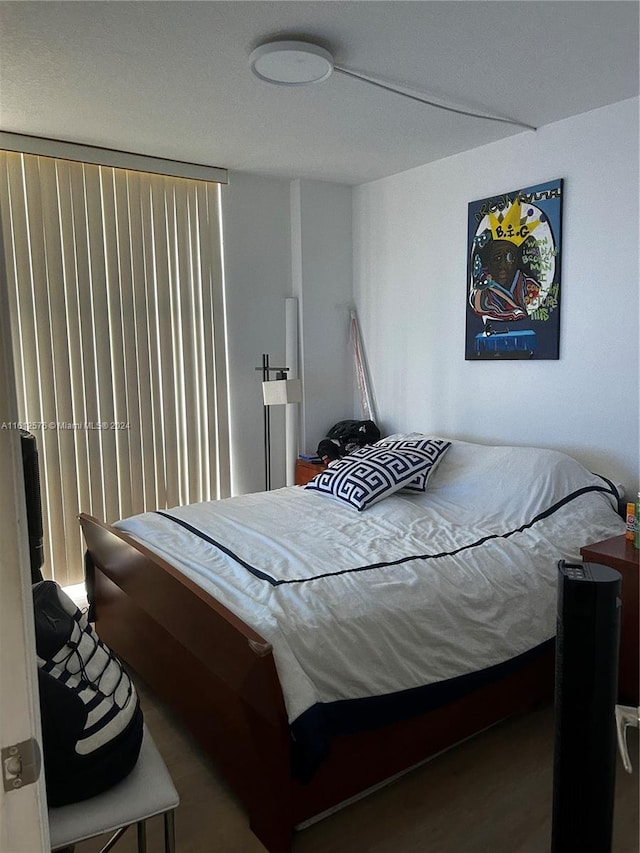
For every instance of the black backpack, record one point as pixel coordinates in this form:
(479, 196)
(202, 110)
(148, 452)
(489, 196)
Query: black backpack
(92, 723)
(346, 436)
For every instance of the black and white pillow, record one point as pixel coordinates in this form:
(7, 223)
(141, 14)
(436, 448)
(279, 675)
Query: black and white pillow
(435, 448)
(371, 473)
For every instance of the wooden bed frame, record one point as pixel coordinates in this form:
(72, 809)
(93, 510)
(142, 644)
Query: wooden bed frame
(219, 677)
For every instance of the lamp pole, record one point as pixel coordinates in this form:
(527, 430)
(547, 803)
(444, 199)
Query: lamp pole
(282, 374)
(267, 428)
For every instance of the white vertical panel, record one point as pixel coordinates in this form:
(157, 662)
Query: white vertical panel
(138, 194)
(38, 352)
(217, 390)
(206, 374)
(72, 327)
(86, 382)
(105, 503)
(150, 438)
(130, 244)
(114, 264)
(61, 441)
(159, 245)
(292, 410)
(185, 334)
(175, 392)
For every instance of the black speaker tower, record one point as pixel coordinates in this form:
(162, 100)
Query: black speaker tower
(588, 640)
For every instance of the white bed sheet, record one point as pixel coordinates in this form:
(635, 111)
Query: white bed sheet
(415, 590)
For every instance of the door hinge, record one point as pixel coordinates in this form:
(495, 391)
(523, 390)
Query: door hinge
(21, 764)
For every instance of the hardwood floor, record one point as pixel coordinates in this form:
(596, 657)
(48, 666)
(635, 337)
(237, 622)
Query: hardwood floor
(489, 795)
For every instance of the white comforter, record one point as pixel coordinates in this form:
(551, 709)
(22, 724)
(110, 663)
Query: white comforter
(415, 590)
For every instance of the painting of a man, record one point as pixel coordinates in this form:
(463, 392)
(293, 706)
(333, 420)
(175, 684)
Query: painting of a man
(514, 275)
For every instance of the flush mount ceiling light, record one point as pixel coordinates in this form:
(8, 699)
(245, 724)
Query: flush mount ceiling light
(291, 63)
(297, 63)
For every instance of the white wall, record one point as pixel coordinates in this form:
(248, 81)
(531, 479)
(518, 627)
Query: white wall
(285, 239)
(410, 291)
(257, 263)
(323, 276)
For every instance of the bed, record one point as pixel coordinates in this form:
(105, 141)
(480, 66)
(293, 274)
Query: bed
(320, 641)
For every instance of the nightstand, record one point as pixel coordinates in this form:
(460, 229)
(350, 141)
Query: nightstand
(306, 471)
(619, 554)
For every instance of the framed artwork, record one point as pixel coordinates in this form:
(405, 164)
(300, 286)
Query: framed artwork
(513, 274)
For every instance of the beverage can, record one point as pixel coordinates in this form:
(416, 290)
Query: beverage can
(631, 521)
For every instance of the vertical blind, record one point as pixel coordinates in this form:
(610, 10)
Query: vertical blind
(117, 313)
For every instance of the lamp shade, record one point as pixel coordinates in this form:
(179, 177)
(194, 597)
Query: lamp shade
(278, 392)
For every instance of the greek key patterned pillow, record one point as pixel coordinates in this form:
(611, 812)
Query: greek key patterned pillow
(435, 448)
(371, 473)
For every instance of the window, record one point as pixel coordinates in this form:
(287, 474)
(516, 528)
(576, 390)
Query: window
(116, 297)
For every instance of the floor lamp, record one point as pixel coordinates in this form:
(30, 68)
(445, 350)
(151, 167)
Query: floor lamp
(275, 392)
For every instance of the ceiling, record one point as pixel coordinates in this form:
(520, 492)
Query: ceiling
(172, 79)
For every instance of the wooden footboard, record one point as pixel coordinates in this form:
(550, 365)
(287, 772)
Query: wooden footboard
(219, 677)
(216, 673)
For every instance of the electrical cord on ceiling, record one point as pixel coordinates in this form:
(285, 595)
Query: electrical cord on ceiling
(298, 63)
(424, 100)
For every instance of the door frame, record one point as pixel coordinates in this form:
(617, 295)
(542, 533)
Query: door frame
(24, 824)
